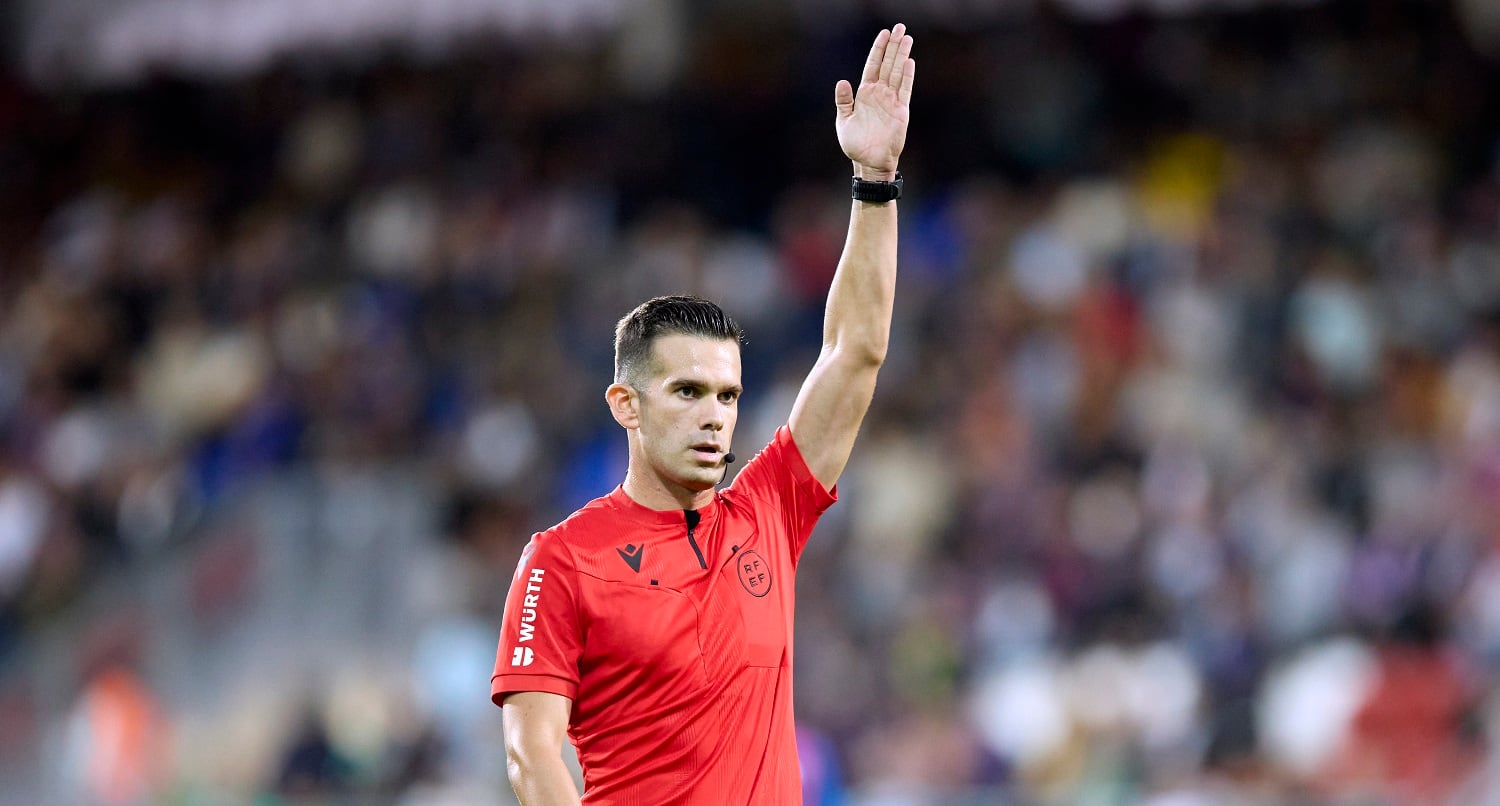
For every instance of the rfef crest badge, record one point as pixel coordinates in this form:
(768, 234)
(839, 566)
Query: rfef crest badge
(755, 573)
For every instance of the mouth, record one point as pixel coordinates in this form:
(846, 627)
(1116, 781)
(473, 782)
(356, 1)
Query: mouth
(707, 452)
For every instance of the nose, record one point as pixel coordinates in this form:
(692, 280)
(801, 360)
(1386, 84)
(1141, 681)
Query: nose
(713, 415)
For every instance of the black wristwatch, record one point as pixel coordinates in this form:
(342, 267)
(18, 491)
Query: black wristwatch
(877, 192)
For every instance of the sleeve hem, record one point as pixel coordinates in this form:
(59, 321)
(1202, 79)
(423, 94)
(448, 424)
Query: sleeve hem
(503, 684)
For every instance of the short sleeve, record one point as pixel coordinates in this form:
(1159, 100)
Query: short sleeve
(540, 636)
(778, 477)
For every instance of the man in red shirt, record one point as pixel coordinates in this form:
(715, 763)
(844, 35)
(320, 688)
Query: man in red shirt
(653, 627)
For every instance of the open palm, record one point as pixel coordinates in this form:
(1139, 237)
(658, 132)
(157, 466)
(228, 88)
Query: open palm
(871, 124)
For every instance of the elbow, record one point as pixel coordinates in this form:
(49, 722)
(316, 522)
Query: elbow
(515, 769)
(519, 767)
(867, 354)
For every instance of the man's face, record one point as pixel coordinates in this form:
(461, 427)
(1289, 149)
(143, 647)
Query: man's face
(688, 408)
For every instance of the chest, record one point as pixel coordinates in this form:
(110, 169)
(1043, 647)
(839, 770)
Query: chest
(690, 606)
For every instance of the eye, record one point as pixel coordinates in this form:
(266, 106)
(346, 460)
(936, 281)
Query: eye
(728, 397)
(687, 391)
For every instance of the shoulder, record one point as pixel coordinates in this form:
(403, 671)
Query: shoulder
(778, 483)
(778, 463)
(784, 450)
(594, 524)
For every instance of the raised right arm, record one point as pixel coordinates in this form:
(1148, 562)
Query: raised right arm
(536, 724)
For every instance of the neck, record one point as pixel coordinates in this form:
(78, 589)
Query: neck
(653, 492)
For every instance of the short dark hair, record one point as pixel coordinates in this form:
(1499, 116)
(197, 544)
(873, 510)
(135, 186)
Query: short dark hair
(667, 316)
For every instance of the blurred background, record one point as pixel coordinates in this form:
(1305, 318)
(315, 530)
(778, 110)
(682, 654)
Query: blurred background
(1181, 485)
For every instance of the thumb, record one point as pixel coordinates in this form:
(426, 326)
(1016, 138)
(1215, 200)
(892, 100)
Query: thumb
(843, 98)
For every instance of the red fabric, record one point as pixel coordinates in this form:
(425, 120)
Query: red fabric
(680, 675)
(1405, 736)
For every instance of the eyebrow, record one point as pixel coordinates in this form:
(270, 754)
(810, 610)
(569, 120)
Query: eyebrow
(697, 384)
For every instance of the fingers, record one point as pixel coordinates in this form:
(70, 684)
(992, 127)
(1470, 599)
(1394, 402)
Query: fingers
(890, 60)
(903, 54)
(908, 76)
(892, 47)
(877, 56)
(843, 98)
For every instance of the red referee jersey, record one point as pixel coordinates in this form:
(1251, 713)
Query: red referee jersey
(671, 631)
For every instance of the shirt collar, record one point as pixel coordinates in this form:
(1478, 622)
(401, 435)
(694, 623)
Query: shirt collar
(630, 508)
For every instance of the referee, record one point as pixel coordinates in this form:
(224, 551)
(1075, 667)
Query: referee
(653, 627)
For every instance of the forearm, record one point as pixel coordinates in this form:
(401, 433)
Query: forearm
(871, 127)
(541, 779)
(857, 321)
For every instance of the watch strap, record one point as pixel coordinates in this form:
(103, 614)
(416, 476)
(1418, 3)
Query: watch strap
(876, 192)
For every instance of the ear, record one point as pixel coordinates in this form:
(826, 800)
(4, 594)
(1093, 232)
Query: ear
(624, 404)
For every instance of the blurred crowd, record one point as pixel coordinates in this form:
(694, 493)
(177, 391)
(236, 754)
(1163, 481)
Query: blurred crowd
(1181, 485)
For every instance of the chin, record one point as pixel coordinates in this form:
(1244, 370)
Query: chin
(700, 480)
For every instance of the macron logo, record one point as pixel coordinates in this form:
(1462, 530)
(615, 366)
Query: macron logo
(632, 555)
(528, 611)
(522, 656)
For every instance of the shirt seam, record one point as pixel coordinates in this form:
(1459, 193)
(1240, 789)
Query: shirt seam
(577, 597)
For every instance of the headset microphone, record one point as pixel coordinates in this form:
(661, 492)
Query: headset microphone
(729, 458)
